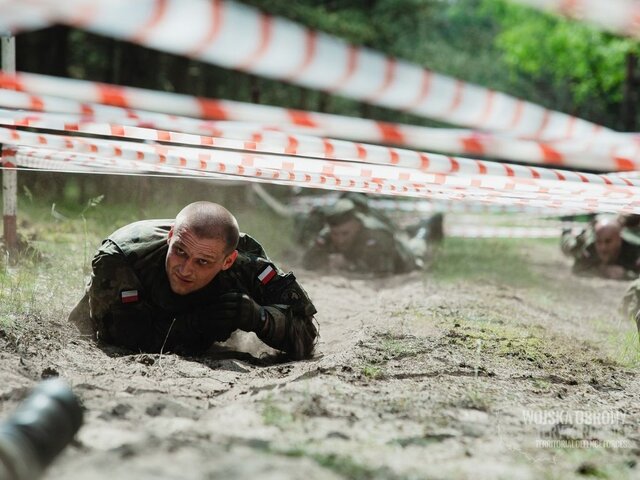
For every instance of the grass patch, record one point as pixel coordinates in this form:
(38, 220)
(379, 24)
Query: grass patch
(373, 372)
(343, 465)
(476, 400)
(626, 349)
(486, 260)
(501, 340)
(386, 346)
(275, 416)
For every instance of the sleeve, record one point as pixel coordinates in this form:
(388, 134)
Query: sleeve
(585, 258)
(289, 324)
(117, 310)
(570, 242)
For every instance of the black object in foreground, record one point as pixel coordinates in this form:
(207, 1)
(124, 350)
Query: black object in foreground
(41, 427)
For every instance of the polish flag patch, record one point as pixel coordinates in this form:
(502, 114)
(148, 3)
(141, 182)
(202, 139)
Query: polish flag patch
(267, 274)
(129, 296)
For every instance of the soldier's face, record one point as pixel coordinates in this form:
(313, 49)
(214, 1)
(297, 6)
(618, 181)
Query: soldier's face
(608, 243)
(343, 235)
(192, 262)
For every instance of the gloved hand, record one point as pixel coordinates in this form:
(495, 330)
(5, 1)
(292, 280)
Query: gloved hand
(239, 310)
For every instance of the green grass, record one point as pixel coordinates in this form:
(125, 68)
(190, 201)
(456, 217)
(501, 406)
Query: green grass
(626, 348)
(487, 260)
(487, 337)
(275, 416)
(343, 465)
(373, 372)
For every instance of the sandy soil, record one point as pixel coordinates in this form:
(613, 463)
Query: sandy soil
(413, 378)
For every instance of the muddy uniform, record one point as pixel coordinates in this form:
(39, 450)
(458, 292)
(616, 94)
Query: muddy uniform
(132, 304)
(376, 249)
(582, 247)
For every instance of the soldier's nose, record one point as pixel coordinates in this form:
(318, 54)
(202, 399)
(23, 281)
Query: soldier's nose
(184, 268)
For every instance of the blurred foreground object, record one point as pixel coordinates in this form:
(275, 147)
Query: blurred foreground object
(42, 426)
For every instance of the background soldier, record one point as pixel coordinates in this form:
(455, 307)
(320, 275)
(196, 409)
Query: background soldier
(605, 249)
(159, 285)
(356, 240)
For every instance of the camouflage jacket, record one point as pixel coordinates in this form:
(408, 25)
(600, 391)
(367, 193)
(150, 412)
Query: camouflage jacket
(376, 249)
(132, 304)
(582, 247)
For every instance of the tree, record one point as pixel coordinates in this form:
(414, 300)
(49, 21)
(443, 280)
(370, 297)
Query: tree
(563, 55)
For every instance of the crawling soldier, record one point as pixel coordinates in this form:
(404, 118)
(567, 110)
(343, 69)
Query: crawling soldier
(163, 285)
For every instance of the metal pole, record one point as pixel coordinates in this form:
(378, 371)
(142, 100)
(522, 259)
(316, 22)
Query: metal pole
(9, 174)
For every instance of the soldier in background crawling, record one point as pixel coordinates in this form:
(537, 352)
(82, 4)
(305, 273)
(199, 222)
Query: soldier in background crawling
(355, 239)
(606, 248)
(164, 285)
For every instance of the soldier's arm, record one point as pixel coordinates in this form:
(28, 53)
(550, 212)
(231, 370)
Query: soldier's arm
(288, 325)
(118, 314)
(571, 242)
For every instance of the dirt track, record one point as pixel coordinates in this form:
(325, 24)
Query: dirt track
(413, 379)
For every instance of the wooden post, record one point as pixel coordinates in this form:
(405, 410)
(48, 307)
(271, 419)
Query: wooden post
(9, 174)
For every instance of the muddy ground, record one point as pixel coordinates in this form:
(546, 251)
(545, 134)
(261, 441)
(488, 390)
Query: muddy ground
(413, 378)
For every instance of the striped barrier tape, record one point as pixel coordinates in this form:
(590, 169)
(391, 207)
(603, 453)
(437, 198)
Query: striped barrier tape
(240, 37)
(73, 162)
(615, 153)
(617, 16)
(342, 175)
(279, 143)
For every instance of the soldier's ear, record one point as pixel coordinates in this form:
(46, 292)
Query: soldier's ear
(170, 235)
(229, 260)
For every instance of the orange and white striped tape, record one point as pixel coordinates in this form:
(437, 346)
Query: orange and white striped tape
(237, 36)
(73, 162)
(300, 145)
(346, 175)
(609, 153)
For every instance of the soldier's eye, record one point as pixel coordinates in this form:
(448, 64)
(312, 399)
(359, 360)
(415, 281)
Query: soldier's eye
(180, 252)
(203, 262)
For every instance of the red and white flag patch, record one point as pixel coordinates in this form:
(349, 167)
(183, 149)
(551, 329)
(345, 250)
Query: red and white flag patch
(129, 296)
(267, 274)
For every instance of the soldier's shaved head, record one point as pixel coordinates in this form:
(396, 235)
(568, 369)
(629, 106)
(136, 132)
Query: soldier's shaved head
(608, 239)
(209, 220)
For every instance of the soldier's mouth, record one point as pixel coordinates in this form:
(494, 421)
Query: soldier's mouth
(181, 278)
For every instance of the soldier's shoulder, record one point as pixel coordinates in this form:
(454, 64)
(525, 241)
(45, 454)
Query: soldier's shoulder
(141, 235)
(142, 228)
(250, 247)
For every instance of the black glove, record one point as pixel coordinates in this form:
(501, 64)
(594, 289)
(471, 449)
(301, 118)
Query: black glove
(239, 310)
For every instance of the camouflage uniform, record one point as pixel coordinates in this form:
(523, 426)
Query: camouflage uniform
(376, 249)
(582, 247)
(132, 304)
